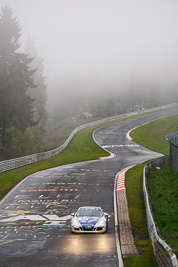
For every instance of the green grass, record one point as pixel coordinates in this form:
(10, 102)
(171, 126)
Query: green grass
(135, 200)
(152, 135)
(146, 258)
(163, 189)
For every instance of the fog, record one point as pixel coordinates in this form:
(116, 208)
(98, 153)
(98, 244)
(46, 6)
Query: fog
(111, 44)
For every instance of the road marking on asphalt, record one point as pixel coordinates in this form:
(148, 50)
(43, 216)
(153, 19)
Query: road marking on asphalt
(49, 190)
(127, 145)
(24, 217)
(77, 174)
(35, 221)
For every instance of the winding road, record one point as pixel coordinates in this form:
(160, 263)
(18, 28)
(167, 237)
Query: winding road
(35, 215)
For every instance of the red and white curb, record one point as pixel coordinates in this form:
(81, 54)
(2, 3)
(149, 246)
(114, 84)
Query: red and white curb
(128, 133)
(121, 179)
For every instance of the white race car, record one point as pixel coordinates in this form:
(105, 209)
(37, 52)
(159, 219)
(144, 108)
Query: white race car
(89, 219)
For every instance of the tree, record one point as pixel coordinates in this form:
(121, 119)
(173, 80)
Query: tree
(39, 93)
(16, 78)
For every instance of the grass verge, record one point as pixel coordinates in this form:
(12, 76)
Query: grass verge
(137, 213)
(163, 190)
(152, 135)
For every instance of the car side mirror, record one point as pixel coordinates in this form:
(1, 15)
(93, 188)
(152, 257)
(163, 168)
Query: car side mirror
(72, 214)
(107, 215)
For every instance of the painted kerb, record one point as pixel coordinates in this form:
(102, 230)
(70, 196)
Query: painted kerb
(163, 253)
(22, 161)
(173, 140)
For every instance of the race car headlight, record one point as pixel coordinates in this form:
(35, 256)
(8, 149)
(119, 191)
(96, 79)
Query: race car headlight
(101, 222)
(75, 222)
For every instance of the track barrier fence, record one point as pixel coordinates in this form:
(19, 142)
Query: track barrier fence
(172, 138)
(163, 253)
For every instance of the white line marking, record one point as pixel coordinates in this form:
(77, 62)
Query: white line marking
(127, 145)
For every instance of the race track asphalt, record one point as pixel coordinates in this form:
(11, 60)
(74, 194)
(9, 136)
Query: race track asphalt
(35, 215)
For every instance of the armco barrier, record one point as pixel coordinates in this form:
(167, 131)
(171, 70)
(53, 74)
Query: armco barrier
(173, 140)
(163, 253)
(22, 161)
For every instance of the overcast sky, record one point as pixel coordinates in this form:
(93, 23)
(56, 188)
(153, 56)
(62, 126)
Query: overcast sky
(111, 40)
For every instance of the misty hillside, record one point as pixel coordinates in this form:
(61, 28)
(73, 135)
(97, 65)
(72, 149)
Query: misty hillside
(94, 57)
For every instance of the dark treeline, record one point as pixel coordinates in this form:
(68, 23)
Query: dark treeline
(22, 92)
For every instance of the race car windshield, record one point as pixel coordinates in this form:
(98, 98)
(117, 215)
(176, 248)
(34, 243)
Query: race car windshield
(91, 213)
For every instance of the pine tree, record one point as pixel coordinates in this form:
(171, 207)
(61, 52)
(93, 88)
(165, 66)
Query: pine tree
(16, 78)
(39, 93)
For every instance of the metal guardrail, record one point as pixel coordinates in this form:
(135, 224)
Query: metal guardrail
(173, 139)
(22, 161)
(163, 253)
